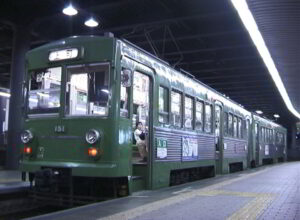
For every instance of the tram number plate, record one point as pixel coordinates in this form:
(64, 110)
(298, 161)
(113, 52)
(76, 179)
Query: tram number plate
(59, 128)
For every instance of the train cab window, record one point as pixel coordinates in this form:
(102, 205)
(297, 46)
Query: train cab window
(44, 91)
(199, 116)
(163, 105)
(240, 134)
(225, 123)
(188, 112)
(88, 90)
(176, 108)
(230, 125)
(235, 131)
(208, 119)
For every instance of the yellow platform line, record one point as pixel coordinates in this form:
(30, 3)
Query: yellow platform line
(209, 190)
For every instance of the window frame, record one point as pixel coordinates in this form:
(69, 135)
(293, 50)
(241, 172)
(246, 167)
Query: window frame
(28, 86)
(65, 71)
(181, 107)
(203, 114)
(168, 102)
(193, 112)
(211, 118)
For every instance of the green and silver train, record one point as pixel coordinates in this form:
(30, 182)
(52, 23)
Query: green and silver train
(84, 96)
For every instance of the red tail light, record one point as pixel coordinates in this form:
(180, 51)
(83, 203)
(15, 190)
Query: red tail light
(27, 150)
(92, 151)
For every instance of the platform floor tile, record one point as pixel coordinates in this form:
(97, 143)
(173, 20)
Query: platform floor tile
(270, 192)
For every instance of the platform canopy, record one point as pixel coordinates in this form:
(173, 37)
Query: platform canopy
(206, 38)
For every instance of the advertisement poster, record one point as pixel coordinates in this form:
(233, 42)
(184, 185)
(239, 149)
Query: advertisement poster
(189, 148)
(161, 147)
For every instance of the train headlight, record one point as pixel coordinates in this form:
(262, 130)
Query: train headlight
(26, 136)
(92, 136)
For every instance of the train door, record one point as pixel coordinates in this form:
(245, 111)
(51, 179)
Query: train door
(257, 144)
(142, 125)
(219, 137)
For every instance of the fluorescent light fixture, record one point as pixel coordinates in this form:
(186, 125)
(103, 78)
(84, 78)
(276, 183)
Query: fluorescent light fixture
(5, 94)
(259, 112)
(276, 116)
(70, 10)
(105, 91)
(250, 24)
(91, 22)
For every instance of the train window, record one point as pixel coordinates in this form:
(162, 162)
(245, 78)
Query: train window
(88, 90)
(234, 126)
(188, 112)
(208, 119)
(263, 134)
(240, 134)
(176, 108)
(230, 125)
(199, 116)
(141, 84)
(225, 123)
(124, 99)
(256, 131)
(247, 125)
(44, 91)
(163, 104)
(260, 134)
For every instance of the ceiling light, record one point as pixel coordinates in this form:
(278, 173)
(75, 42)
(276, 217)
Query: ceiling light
(250, 24)
(259, 112)
(276, 116)
(70, 10)
(5, 94)
(91, 22)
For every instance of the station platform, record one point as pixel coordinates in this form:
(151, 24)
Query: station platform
(270, 192)
(10, 181)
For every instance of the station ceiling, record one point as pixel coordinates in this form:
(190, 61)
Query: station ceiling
(205, 38)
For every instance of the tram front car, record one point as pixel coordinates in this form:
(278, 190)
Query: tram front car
(71, 135)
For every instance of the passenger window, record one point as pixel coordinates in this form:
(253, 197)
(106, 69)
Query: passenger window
(263, 134)
(124, 105)
(256, 131)
(163, 105)
(230, 125)
(208, 118)
(234, 126)
(188, 112)
(199, 116)
(247, 125)
(176, 108)
(240, 134)
(225, 123)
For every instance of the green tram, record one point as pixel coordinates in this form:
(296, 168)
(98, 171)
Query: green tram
(269, 141)
(84, 96)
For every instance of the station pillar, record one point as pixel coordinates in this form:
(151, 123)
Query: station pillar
(21, 44)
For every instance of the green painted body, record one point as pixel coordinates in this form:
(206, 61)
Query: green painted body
(69, 148)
